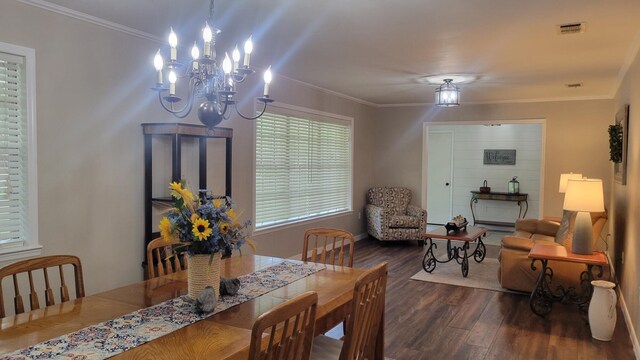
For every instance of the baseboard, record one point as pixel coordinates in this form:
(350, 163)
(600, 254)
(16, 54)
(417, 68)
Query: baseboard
(627, 319)
(358, 237)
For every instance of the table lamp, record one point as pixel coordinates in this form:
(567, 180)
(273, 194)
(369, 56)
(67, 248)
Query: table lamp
(583, 196)
(563, 181)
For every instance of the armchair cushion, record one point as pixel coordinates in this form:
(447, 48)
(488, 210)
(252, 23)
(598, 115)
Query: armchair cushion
(403, 221)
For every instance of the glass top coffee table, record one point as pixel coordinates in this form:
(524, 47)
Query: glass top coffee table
(460, 254)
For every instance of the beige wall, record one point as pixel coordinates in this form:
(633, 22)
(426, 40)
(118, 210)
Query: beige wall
(576, 140)
(92, 95)
(626, 202)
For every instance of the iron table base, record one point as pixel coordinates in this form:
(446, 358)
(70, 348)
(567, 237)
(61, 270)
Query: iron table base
(458, 253)
(543, 295)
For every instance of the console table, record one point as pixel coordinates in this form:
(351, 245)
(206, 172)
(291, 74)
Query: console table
(520, 198)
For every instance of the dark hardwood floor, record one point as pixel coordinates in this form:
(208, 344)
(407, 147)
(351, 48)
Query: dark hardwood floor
(426, 320)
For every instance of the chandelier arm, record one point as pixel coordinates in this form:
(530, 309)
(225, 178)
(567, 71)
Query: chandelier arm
(173, 112)
(186, 109)
(264, 107)
(226, 105)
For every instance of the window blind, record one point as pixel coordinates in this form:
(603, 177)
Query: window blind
(303, 167)
(13, 151)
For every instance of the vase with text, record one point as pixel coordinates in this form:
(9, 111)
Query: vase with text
(203, 271)
(602, 310)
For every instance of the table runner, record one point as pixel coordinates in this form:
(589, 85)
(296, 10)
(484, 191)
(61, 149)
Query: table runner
(115, 336)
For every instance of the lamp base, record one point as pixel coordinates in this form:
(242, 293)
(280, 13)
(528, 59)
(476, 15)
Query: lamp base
(582, 234)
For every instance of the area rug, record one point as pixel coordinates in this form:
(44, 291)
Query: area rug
(482, 275)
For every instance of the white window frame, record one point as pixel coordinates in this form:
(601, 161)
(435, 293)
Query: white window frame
(286, 109)
(31, 245)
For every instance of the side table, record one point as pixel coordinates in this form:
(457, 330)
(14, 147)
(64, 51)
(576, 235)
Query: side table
(543, 295)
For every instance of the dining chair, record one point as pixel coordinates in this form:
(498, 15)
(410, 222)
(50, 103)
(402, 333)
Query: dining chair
(328, 246)
(162, 259)
(290, 326)
(363, 324)
(31, 267)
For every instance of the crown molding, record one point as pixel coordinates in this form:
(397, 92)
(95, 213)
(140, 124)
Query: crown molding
(45, 5)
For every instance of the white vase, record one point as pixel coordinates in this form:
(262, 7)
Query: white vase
(203, 271)
(602, 310)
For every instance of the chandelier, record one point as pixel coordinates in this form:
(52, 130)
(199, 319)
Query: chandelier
(447, 94)
(208, 81)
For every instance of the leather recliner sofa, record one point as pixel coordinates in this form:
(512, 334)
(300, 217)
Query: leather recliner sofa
(515, 271)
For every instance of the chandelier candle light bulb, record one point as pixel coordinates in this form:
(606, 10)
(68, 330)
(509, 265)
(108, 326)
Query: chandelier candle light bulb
(248, 48)
(267, 80)
(236, 57)
(172, 82)
(207, 35)
(173, 43)
(226, 67)
(195, 54)
(158, 63)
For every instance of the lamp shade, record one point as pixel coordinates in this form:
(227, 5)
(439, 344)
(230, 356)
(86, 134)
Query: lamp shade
(563, 181)
(584, 195)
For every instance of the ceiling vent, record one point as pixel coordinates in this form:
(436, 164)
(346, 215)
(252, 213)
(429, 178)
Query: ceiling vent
(572, 28)
(574, 85)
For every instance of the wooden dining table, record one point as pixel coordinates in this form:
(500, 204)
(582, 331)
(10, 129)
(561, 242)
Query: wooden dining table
(225, 335)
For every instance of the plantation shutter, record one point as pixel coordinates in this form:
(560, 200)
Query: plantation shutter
(303, 167)
(13, 152)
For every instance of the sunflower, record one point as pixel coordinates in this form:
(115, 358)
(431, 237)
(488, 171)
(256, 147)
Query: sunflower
(217, 203)
(233, 216)
(165, 228)
(224, 228)
(201, 229)
(187, 195)
(176, 188)
(179, 192)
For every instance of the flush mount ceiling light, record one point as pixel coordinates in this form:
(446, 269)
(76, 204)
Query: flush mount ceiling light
(459, 79)
(447, 94)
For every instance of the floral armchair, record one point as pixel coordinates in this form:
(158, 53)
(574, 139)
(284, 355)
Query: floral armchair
(390, 217)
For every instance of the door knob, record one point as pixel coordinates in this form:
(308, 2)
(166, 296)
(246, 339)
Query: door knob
(446, 184)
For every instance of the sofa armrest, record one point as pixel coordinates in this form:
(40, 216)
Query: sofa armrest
(535, 226)
(420, 213)
(376, 220)
(523, 244)
(517, 243)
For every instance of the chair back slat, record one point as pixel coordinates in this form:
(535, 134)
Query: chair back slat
(30, 266)
(328, 246)
(17, 299)
(162, 259)
(290, 327)
(367, 314)
(33, 295)
(48, 293)
(64, 290)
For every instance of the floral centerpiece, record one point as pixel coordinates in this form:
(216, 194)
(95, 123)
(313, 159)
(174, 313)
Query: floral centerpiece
(207, 229)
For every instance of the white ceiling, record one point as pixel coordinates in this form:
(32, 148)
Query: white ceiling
(376, 50)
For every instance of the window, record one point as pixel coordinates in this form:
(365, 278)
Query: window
(18, 187)
(303, 166)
